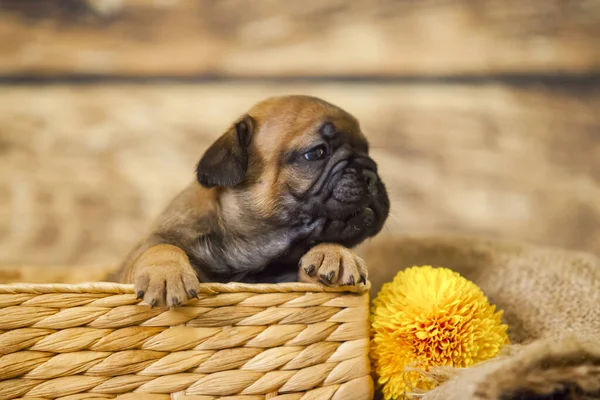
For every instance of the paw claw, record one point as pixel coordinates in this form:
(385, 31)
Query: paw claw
(140, 295)
(193, 294)
(330, 276)
(363, 279)
(310, 269)
(351, 283)
(175, 301)
(153, 303)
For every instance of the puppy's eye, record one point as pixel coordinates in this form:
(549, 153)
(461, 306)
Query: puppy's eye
(316, 153)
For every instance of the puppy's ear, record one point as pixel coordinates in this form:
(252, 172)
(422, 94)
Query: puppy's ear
(226, 161)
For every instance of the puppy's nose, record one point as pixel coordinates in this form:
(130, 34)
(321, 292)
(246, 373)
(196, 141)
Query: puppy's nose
(366, 163)
(371, 179)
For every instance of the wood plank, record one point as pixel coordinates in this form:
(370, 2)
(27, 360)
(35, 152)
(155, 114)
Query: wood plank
(291, 38)
(84, 169)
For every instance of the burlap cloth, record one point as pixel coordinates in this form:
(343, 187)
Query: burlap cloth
(551, 303)
(550, 298)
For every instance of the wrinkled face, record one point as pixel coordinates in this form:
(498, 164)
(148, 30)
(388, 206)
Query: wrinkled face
(301, 162)
(315, 161)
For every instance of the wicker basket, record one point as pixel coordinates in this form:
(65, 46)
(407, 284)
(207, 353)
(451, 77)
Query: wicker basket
(237, 341)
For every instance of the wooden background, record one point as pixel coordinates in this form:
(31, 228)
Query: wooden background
(484, 115)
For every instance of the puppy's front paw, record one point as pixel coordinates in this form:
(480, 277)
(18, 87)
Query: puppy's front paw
(163, 276)
(332, 265)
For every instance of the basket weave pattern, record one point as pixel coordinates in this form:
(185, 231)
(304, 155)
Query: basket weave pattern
(236, 341)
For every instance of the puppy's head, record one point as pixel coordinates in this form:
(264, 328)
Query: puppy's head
(298, 161)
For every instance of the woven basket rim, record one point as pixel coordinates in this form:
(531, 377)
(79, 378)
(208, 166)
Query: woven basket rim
(206, 288)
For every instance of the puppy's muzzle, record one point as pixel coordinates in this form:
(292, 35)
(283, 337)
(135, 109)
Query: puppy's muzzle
(355, 185)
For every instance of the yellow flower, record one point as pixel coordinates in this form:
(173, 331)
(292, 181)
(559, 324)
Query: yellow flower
(430, 317)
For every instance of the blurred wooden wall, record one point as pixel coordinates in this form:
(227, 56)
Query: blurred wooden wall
(484, 115)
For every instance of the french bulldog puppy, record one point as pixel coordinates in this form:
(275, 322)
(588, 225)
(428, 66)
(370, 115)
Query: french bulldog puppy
(282, 195)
